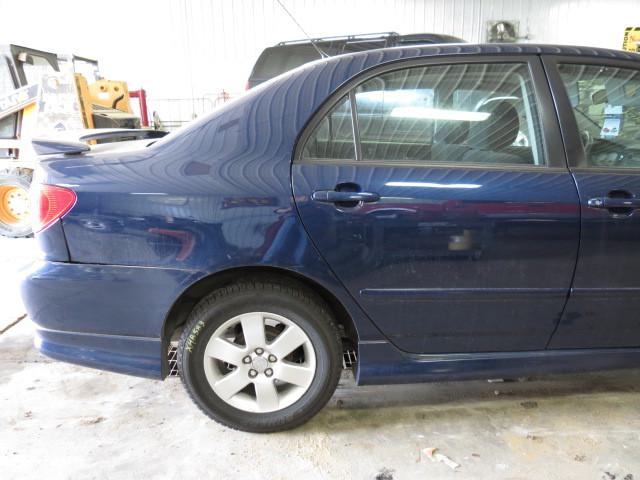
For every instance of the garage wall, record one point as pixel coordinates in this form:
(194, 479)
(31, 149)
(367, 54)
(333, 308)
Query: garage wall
(192, 49)
(223, 38)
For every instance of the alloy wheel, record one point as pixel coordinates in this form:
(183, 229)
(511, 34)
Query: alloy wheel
(259, 362)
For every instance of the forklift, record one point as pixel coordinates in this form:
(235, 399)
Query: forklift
(47, 94)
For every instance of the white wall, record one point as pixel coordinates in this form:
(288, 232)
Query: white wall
(194, 48)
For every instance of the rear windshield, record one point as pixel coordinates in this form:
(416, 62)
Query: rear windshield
(277, 60)
(282, 58)
(361, 46)
(427, 39)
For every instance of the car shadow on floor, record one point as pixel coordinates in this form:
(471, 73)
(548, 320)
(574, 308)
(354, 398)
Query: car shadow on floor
(468, 404)
(349, 395)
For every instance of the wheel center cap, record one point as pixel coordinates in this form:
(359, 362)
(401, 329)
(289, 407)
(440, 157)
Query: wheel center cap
(260, 364)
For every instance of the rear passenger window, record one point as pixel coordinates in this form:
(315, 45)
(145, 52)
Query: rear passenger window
(333, 137)
(606, 106)
(462, 113)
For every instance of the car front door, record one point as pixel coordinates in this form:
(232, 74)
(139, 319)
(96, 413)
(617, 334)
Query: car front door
(601, 128)
(439, 195)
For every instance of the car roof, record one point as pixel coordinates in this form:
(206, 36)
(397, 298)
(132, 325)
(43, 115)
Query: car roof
(426, 50)
(351, 64)
(371, 58)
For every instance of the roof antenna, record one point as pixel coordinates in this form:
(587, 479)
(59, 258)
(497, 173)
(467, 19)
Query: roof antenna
(313, 44)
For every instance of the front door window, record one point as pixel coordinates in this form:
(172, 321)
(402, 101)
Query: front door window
(606, 104)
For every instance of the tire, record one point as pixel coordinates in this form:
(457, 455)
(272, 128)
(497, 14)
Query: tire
(16, 179)
(289, 314)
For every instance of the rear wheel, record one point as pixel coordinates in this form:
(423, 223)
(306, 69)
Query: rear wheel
(260, 356)
(15, 207)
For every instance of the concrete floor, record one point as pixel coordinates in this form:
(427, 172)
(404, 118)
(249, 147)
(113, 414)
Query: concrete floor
(63, 421)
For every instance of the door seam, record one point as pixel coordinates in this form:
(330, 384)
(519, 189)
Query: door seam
(312, 242)
(575, 184)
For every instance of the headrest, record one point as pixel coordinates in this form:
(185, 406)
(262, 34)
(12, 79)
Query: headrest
(499, 130)
(452, 132)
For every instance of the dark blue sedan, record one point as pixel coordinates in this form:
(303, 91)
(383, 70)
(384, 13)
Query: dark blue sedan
(445, 212)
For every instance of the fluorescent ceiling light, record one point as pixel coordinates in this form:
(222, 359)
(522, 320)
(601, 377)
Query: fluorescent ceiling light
(439, 114)
(432, 185)
(396, 96)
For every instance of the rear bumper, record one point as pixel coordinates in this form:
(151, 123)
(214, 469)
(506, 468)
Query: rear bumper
(103, 316)
(141, 357)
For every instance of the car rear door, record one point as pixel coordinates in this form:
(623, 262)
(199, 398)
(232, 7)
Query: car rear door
(438, 192)
(600, 104)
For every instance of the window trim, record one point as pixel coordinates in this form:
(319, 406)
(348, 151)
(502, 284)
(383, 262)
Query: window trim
(355, 126)
(552, 146)
(576, 156)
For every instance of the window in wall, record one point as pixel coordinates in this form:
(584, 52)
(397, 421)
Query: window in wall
(462, 113)
(606, 106)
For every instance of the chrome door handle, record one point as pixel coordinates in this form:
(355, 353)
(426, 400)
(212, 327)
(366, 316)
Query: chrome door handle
(333, 196)
(608, 202)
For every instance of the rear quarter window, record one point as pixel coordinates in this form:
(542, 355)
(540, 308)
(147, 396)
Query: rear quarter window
(332, 139)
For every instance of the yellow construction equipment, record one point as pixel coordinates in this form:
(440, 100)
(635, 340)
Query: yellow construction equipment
(43, 93)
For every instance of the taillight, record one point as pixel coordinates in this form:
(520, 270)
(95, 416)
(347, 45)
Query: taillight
(54, 203)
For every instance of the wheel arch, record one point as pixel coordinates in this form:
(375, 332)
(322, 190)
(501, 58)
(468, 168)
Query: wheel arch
(185, 303)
